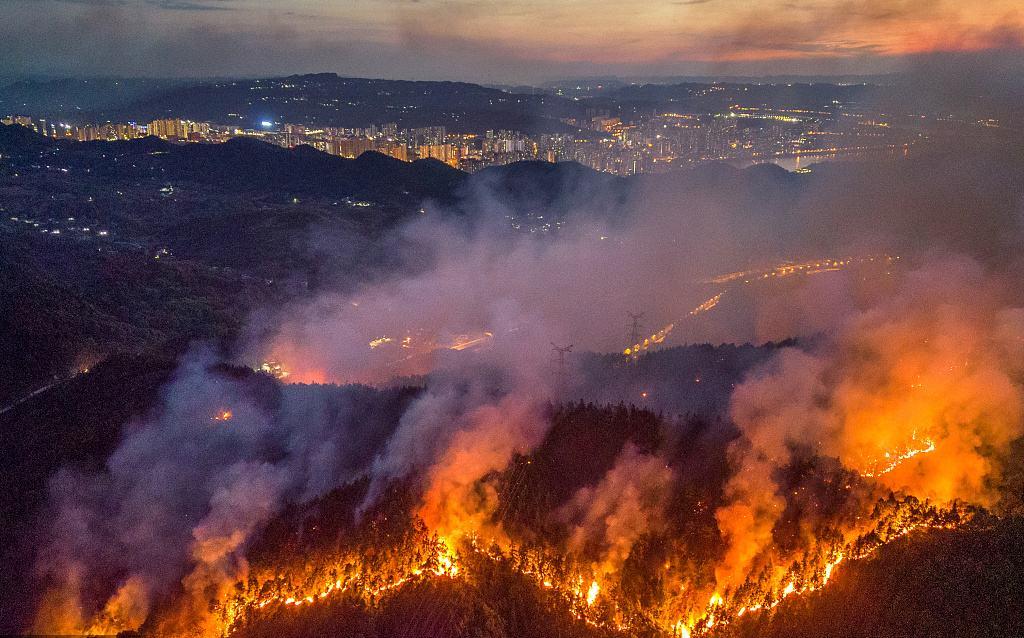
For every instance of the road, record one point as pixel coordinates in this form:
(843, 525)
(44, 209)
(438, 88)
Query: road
(35, 392)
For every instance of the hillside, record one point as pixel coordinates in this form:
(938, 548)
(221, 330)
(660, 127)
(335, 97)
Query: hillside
(145, 243)
(965, 583)
(281, 223)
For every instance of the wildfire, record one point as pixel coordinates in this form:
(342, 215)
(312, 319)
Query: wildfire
(707, 305)
(685, 605)
(349, 574)
(653, 340)
(446, 561)
(371, 579)
(717, 612)
(273, 368)
(893, 459)
(786, 269)
(376, 343)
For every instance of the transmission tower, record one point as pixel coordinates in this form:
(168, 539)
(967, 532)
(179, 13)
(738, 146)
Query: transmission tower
(560, 352)
(635, 332)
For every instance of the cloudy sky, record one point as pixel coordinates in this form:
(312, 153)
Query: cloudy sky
(493, 40)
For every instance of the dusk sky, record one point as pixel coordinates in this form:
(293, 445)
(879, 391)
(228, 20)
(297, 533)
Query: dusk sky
(490, 40)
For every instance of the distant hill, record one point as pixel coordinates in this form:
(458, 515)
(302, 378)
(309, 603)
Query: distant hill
(325, 99)
(240, 164)
(70, 97)
(699, 96)
(169, 243)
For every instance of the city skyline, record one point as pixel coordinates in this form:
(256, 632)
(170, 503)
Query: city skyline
(432, 39)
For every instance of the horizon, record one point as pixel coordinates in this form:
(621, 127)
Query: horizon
(737, 78)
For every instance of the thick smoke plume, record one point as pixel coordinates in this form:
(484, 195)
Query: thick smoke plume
(921, 392)
(608, 518)
(184, 492)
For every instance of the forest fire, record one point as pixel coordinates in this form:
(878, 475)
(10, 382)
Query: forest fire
(826, 458)
(810, 267)
(424, 557)
(892, 460)
(367, 586)
(785, 269)
(273, 368)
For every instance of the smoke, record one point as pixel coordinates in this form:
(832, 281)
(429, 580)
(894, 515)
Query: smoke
(187, 488)
(455, 503)
(516, 292)
(922, 392)
(886, 376)
(608, 518)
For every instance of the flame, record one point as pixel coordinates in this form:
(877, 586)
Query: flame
(446, 560)
(893, 459)
(707, 305)
(376, 343)
(371, 578)
(786, 269)
(273, 368)
(223, 415)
